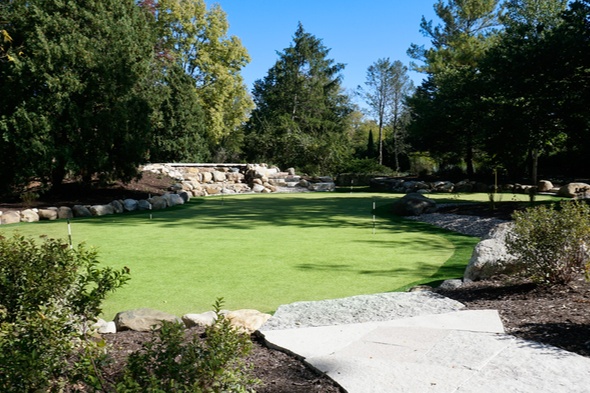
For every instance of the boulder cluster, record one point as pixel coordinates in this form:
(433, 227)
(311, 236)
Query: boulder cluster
(406, 186)
(193, 180)
(214, 179)
(146, 319)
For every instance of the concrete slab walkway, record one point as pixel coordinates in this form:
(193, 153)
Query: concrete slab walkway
(459, 351)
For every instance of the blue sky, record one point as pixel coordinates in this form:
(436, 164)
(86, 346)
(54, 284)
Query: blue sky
(357, 32)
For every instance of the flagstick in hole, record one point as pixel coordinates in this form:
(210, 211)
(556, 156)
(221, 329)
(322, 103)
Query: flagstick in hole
(373, 217)
(70, 234)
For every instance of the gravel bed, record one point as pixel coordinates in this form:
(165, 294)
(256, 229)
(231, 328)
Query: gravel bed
(358, 309)
(467, 225)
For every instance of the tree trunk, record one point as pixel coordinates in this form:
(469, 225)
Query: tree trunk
(534, 165)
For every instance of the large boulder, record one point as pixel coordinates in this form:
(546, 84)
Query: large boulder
(413, 204)
(175, 199)
(29, 215)
(490, 256)
(247, 320)
(158, 202)
(573, 190)
(544, 186)
(142, 319)
(204, 319)
(11, 217)
(65, 213)
(81, 211)
(143, 204)
(102, 210)
(130, 205)
(117, 206)
(48, 214)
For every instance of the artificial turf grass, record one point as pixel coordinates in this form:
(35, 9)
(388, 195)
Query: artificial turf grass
(260, 251)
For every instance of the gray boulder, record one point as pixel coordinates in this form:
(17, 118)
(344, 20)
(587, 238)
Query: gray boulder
(102, 210)
(175, 199)
(143, 204)
(185, 196)
(130, 205)
(117, 206)
(413, 204)
(322, 186)
(158, 203)
(64, 213)
(142, 319)
(81, 211)
(490, 256)
(48, 214)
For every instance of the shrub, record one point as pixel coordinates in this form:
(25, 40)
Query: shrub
(48, 295)
(173, 362)
(552, 242)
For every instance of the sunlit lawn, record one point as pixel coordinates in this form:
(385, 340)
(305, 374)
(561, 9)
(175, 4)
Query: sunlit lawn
(261, 251)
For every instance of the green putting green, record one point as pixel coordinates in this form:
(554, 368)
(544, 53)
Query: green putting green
(261, 251)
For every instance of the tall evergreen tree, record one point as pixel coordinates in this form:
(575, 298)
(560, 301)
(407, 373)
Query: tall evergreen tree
(75, 73)
(525, 100)
(300, 115)
(447, 106)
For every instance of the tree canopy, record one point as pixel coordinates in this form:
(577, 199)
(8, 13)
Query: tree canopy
(301, 112)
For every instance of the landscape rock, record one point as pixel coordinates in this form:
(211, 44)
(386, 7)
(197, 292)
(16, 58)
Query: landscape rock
(142, 319)
(247, 320)
(102, 210)
(257, 187)
(413, 204)
(490, 256)
(48, 214)
(573, 190)
(29, 215)
(544, 186)
(158, 202)
(143, 204)
(117, 206)
(322, 187)
(130, 205)
(65, 212)
(174, 200)
(81, 211)
(10, 217)
(185, 196)
(204, 319)
(104, 327)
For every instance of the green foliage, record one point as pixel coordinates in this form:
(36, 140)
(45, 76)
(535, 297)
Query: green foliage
(75, 80)
(301, 115)
(364, 165)
(173, 362)
(552, 243)
(48, 295)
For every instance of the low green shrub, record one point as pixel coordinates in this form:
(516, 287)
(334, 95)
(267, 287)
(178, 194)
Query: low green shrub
(173, 362)
(49, 294)
(552, 242)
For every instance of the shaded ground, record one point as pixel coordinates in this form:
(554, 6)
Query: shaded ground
(557, 316)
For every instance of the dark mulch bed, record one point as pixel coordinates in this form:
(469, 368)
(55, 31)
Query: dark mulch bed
(556, 315)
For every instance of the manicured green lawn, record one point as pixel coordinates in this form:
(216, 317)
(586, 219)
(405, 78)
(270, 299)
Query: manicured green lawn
(261, 251)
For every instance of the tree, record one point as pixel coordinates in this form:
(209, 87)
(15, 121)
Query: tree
(446, 109)
(196, 39)
(75, 75)
(525, 100)
(301, 114)
(387, 84)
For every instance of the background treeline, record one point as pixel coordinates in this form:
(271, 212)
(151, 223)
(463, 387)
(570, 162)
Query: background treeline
(91, 90)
